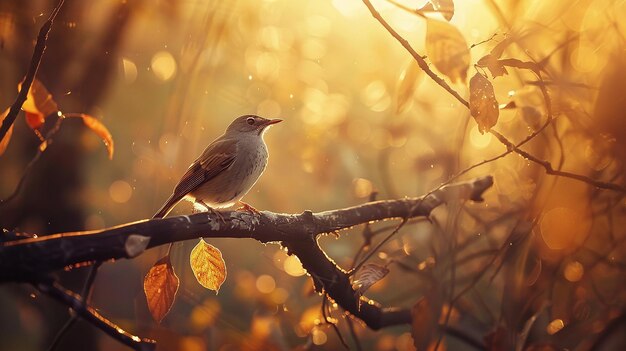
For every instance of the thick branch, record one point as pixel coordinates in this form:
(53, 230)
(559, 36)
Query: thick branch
(40, 47)
(21, 260)
(28, 259)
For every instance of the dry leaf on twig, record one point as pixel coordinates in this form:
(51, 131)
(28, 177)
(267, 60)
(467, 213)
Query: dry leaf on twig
(208, 265)
(483, 104)
(160, 286)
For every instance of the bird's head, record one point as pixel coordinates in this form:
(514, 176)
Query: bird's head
(251, 124)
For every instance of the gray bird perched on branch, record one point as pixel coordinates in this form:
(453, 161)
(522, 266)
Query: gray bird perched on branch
(227, 169)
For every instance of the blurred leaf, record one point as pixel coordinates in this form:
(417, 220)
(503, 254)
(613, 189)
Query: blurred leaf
(494, 65)
(425, 321)
(498, 50)
(97, 127)
(160, 286)
(208, 265)
(532, 117)
(39, 104)
(497, 340)
(406, 85)
(508, 106)
(512, 62)
(444, 7)
(447, 49)
(483, 104)
(367, 276)
(7, 137)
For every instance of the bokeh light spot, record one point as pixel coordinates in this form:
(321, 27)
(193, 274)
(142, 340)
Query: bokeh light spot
(120, 191)
(293, 267)
(362, 187)
(478, 140)
(318, 337)
(573, 271)
(555, 326)
(130, 70)
(265, 284)
(163, 65)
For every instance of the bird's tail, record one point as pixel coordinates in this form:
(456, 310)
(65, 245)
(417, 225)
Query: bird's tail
(166, 208)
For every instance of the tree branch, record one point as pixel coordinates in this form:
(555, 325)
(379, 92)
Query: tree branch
(40, 47)
(75, 302)
(27, 259)
(511, 147)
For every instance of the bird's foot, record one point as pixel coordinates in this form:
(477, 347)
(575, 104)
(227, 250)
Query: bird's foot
(245, 207)
(213, 211)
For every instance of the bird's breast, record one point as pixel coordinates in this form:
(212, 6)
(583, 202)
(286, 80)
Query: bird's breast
(231, 185)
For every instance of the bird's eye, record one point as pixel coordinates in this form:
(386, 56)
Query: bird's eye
(250, 120)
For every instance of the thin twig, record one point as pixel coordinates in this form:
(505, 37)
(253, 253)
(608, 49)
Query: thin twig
(355, 337)
(329, 320)
(86, 294)
(40, 150)
(510, 145)
(380, 244)
(40, 47)
(74, 301)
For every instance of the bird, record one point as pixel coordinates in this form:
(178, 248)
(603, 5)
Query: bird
(227, 169)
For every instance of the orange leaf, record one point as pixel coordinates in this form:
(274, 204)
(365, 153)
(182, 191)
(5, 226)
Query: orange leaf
(39, 104)
(425, 315)
(483, 104)
(97, 127)
(160, 286)
(208, 265)
(35, 121)
(447, 49)
(5, 142)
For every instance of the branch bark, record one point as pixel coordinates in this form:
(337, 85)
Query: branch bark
(25, 260)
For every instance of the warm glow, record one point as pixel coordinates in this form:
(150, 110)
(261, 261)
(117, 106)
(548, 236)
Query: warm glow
(555, 326)
(574, 271)
(163, 65)
(293, 267)
(120, 191)
(265, 284)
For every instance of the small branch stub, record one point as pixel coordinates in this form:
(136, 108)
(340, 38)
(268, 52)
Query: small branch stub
(136, 244)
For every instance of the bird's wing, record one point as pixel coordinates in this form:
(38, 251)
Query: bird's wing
(215, 159)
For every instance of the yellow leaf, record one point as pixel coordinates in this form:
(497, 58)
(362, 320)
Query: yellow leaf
(39, 104)
(447, 49)
(160, 286)
(5, 141)
(97, 127)
(406, 85)
(208, 265)
(483, 104)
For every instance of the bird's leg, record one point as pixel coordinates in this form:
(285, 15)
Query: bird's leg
(213, 211)
(245, 207)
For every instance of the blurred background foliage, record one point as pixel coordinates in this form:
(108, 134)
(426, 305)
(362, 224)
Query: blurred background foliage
(167, 77)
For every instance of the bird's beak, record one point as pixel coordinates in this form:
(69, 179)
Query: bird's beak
(273, 121)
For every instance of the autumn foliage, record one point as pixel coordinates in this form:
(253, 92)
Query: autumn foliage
(381, 99)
